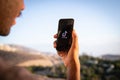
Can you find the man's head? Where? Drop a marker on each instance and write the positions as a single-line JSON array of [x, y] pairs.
[[9, 10]]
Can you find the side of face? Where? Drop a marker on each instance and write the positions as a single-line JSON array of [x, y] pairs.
[[9, 10]]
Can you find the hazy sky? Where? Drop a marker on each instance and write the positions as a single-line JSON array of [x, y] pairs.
[[97, 23]]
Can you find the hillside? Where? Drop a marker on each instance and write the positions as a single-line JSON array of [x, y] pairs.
[[111, 57], [49, 67], [26, 57], [22, 56]]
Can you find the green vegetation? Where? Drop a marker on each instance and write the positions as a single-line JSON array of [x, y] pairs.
[[98, 69], [57, 71], [91, 69]]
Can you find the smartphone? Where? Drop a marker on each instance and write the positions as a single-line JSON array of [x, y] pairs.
[[64, 34]]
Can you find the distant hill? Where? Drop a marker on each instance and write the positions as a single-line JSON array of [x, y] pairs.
[[26, 57], [111, 57], [23, 56]]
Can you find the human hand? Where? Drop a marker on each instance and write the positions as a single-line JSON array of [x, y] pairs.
[[72, 55]]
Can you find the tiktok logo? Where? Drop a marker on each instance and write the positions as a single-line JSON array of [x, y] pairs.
[[64, 34]]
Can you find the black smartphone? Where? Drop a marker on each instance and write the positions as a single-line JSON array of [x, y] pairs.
[[64, 39]]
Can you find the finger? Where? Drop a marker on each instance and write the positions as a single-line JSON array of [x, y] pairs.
[[74, 40], [54, 44], [55, 36], [61, 53]]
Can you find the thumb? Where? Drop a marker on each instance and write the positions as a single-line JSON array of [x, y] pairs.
[[74, 40]]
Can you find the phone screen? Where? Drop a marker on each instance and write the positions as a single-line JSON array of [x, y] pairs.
[[64, 34]]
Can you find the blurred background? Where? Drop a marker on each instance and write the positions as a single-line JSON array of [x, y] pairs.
[[97, 23]]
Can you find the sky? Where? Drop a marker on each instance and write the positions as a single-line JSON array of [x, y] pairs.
[[97, 24]]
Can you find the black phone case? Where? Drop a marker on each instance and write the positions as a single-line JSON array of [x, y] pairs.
[[64, 39]]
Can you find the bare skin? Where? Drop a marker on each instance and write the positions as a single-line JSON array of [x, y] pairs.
[[71, 59], [9, 11]]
